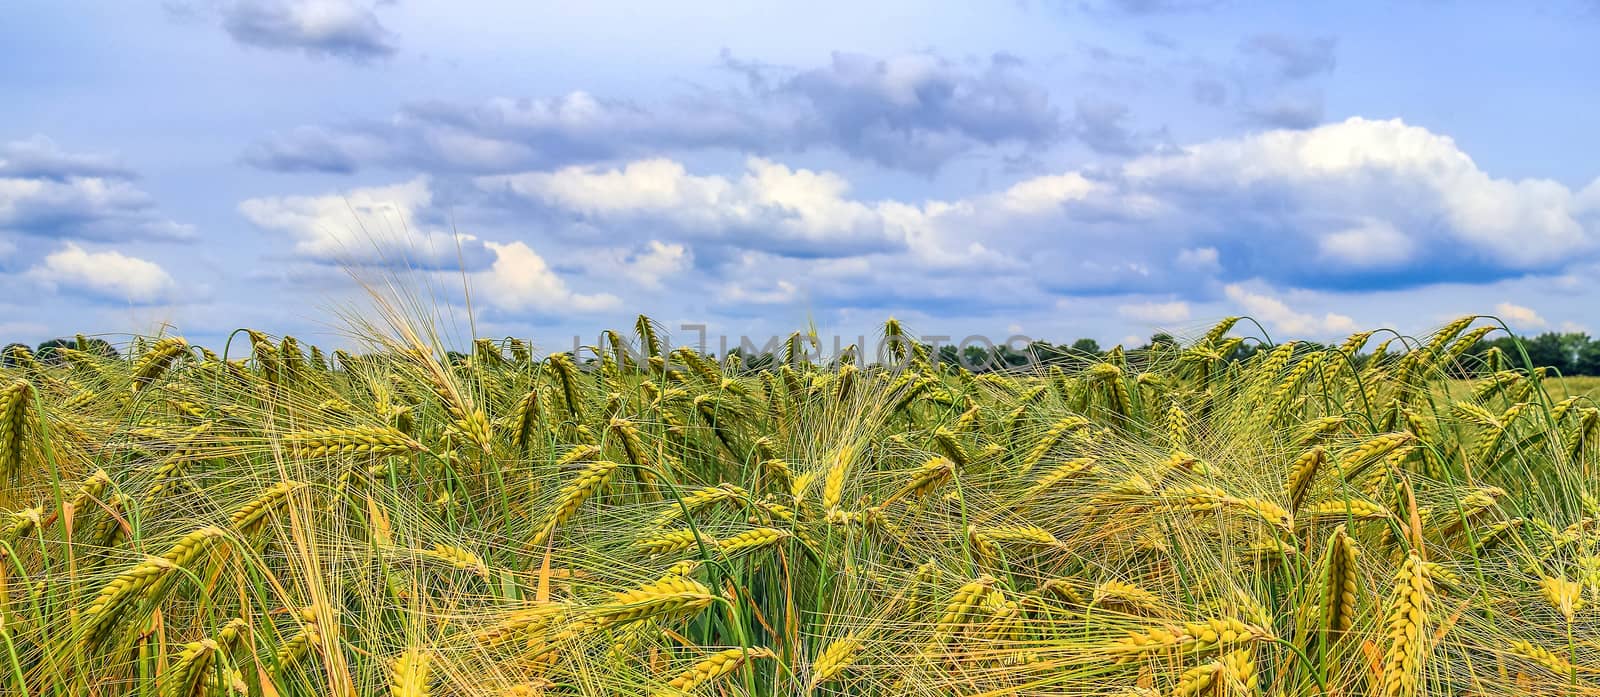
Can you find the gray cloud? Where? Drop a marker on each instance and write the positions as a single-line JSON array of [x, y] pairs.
[[1293, 58], [1210, 91], [1289, 111], [342, 29], [1103, 127], [1272, 80], [47, 192], [917, 111], [1160, 40], [40, 157], [913, 112], [315, 149]]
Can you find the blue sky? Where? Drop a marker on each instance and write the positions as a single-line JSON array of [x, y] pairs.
[[1054, 169]]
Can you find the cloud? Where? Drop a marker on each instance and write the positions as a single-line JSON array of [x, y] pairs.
[[770, 207], [47, 192], [1370, 243], [39, 157], [520, 281], [1296, 111], [1048, 193], [914, 112], [749, 282], [1271, 80], [1103, 127], [395, 227], [1200, 259], [1293, 58], [1341, 207], [917, 111], [649, 266], [314, 149], [1156, 313], [774, 292], [1209, 91], [658, 261], [1278, 316], [109, 275], [1160, 40], [373, 226], [1345, 187], [343, 29], [1519, 317]]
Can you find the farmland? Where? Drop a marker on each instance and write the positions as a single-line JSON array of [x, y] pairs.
[[644, 520]]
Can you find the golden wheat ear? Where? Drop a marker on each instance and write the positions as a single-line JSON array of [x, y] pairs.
[[424, 513]]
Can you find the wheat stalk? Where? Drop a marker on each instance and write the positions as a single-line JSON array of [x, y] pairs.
[[572, 497], [673, 596], [376, 441], [1406, 629], [834, 659], [15, 424], [713, 667], [409, 674]]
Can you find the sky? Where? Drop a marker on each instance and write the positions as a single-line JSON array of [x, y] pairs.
[[1048, 169]]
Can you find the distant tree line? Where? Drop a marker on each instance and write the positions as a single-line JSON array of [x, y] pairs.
[[49, 352], [1570, 353]]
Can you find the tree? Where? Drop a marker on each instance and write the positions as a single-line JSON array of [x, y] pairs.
[[9, 354], [1043, 352], [47, 353], [96, 346], [1163, 341], [1243, 352], [1558, 351], [764, 360], [976, 359], [1588, 359], [1004, 355]]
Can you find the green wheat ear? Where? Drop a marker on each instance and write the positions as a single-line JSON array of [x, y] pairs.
[[418, 513], [16, 405]]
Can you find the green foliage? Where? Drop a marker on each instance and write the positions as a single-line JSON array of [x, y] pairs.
[[1567, 353]]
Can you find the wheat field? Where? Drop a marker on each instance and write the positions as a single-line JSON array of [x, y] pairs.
[[640, 520]]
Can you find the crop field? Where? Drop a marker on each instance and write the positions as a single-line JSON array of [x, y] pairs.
[[1586, 387], [641, 520]]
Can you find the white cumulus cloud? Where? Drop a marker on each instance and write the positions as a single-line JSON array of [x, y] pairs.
[[519, 280], [1200, 259], [366, 226], [769, 207], [1156, 313], [1370, 243], [1519, 317], [1387, 179], [1279, 316], [108, 274], [768, 293]]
